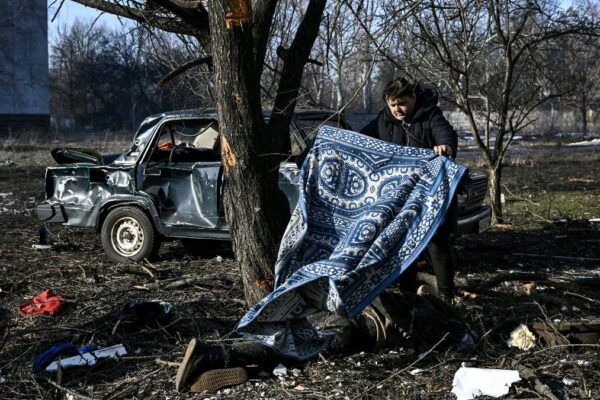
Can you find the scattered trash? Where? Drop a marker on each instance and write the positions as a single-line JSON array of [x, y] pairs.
[[43, 244], [425, 290], [568, 382], [469, 383], [415, 371], [43, 232], [146, 312], [583, 363], [594, 219], [529, 288], [468, 295], [48, 356], [522, 338], [44, 303], [467, 342], [280, 371], [219, 259], [296, 372], [88, 359]]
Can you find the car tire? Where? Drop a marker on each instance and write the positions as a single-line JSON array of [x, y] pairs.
[[128, 235]]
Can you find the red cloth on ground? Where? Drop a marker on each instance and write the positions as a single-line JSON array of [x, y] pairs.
[[44, 303]]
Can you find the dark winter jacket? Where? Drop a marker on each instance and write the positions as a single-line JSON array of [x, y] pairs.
[[425, 128]]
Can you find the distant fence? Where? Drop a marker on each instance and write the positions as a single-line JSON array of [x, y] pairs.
[[545, 122]]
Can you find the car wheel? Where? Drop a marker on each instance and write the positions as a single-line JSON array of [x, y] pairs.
[[128, 235]]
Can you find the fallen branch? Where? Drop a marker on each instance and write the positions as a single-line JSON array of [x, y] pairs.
[[167, 363], [567, 258], [178, 283]]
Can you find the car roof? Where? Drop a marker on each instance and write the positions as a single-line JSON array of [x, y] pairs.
[[212, 113]]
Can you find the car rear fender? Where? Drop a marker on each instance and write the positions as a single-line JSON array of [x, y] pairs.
[[143, 203]]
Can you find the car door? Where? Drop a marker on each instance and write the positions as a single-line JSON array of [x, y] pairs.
[[183, 174]]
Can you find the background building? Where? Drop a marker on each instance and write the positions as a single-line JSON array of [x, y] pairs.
[[24, 97]]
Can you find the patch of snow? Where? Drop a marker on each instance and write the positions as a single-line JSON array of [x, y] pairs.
[[593, 142]]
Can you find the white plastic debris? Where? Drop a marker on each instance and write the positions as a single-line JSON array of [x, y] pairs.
[[469, 383], [568, 382], [219, 259], [88, 358], [522, 338], [280, 371], [41, 246], [583, 363], [415, 371]]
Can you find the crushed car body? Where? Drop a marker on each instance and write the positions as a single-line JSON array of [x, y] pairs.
[[169, 184]]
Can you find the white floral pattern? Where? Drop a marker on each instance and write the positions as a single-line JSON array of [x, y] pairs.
[[366, 210]]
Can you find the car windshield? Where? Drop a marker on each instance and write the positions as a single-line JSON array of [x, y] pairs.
[[139, 143]]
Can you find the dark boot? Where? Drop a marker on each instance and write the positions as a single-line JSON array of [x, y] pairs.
[[208, 366], [199, 358]]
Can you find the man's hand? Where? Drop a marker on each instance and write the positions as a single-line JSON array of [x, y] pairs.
[[443, 150]]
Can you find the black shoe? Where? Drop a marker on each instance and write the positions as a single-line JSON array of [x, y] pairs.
[[199, 358]]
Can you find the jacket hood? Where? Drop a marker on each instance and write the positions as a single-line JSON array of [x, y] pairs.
[[427, 98]]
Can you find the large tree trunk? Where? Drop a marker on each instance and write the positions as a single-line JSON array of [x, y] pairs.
[[250, 182]]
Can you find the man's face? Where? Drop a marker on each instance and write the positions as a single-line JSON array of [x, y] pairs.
[[402, 106]]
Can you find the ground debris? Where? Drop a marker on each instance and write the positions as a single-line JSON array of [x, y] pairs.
[[210, 304]]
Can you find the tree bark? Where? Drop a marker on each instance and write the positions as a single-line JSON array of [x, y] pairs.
[[291, 77], [250, 185]]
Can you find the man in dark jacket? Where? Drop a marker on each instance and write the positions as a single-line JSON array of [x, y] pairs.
[[412, 118]]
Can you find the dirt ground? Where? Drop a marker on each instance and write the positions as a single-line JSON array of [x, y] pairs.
[[547, 240]]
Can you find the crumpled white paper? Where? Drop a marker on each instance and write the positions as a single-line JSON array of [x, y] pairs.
[[522, 338], [280, 371], [469, 383]]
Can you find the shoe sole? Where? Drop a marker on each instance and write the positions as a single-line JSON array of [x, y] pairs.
[[184, 367], [213, 380]]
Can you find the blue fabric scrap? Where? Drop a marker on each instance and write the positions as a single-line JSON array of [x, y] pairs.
[[48, 356]]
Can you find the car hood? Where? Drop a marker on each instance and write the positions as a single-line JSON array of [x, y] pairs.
[[67, 155]]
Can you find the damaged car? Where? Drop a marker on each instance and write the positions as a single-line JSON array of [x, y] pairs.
[[169, 184]]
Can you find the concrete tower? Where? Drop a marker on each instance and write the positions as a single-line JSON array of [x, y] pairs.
[[24, 97]]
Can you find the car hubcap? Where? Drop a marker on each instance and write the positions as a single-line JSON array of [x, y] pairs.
[[127, 237]]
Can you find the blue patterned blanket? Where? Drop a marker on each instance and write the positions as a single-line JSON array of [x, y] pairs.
[[366, 210]]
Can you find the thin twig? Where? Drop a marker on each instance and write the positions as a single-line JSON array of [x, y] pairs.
[[562, 346], [71, 392]]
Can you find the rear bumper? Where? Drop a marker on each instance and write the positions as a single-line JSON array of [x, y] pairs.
[[477, 222], [51, 212]]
